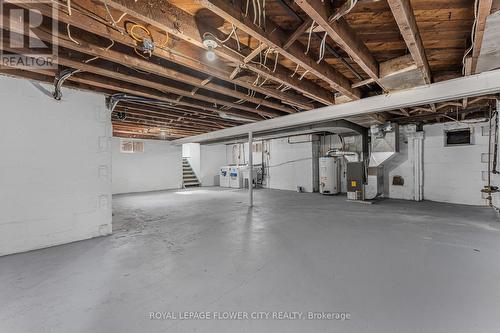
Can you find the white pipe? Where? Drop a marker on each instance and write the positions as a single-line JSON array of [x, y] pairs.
[[250, 169], [474, 85]]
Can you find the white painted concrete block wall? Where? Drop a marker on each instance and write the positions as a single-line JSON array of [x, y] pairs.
[[451, 174], [159, 167], [454, 174], [55, 167], [400, 165], [212, 158]]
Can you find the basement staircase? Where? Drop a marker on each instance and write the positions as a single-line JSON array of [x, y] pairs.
[[189, 178]]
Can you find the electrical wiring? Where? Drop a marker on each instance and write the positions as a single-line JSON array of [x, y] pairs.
[[256, 82], [237, 38], [246, 8], [87, 13], [68, 29], [276, 61], [259, 12], [145, 40], [113, 21], [223, 41], [135, 36], [68, 3], [295, 71], [309, 38], [345, 12], [303, 75], [254, 12], [473, 37], [104, 49], [322, 48], [69, 35], [266, 54], [264, 12]]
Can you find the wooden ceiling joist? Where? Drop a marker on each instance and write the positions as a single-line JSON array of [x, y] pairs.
[[180, 92], [184, 26], [342, 34], [297, 33], [483, 10], [146, 112], [405, 18], [117, 57], [276, 38], [177, 53]]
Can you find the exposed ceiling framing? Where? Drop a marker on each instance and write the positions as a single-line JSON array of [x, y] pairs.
[[284, 57]]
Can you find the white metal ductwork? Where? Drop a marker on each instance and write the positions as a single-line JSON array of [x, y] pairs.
[[384, 145]]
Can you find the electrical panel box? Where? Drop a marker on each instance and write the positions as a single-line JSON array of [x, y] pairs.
[[329, 178], [355, 180]]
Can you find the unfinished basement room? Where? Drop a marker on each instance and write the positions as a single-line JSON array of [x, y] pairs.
[[250, 166]]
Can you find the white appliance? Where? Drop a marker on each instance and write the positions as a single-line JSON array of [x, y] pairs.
[[329, 175], [235, 177], [245, 172], [224, 176]]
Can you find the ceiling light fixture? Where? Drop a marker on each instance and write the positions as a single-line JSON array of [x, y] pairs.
[[210, 43]]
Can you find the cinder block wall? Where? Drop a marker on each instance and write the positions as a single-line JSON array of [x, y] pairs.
[[55, 167], [159, 167]]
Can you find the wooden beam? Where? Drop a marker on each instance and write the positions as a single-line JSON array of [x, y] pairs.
[[178, 53], [145, 119], [362, 83], [475, 85], [379, 117], [184, 26], [405, 18], [133, 89], [117, 57], [147, 111], [174, 111], [484, 9], [275, 37], [254, 53], [297, 33], [405, 112], [400, 73], [342, 34]]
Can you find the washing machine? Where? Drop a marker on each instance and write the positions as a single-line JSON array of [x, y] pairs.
[[235, 177], [224, 176]]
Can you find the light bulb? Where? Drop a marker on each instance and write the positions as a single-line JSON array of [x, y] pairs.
[[211, 55]]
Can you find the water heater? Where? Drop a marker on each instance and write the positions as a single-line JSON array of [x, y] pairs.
[[329, 175]]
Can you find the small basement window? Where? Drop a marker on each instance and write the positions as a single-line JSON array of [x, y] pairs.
[[132, 146], [458, 137]]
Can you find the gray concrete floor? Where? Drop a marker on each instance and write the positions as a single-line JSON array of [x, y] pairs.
[[395, 267]]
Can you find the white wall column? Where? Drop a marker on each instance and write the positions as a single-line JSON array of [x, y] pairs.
[[418, 165]]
